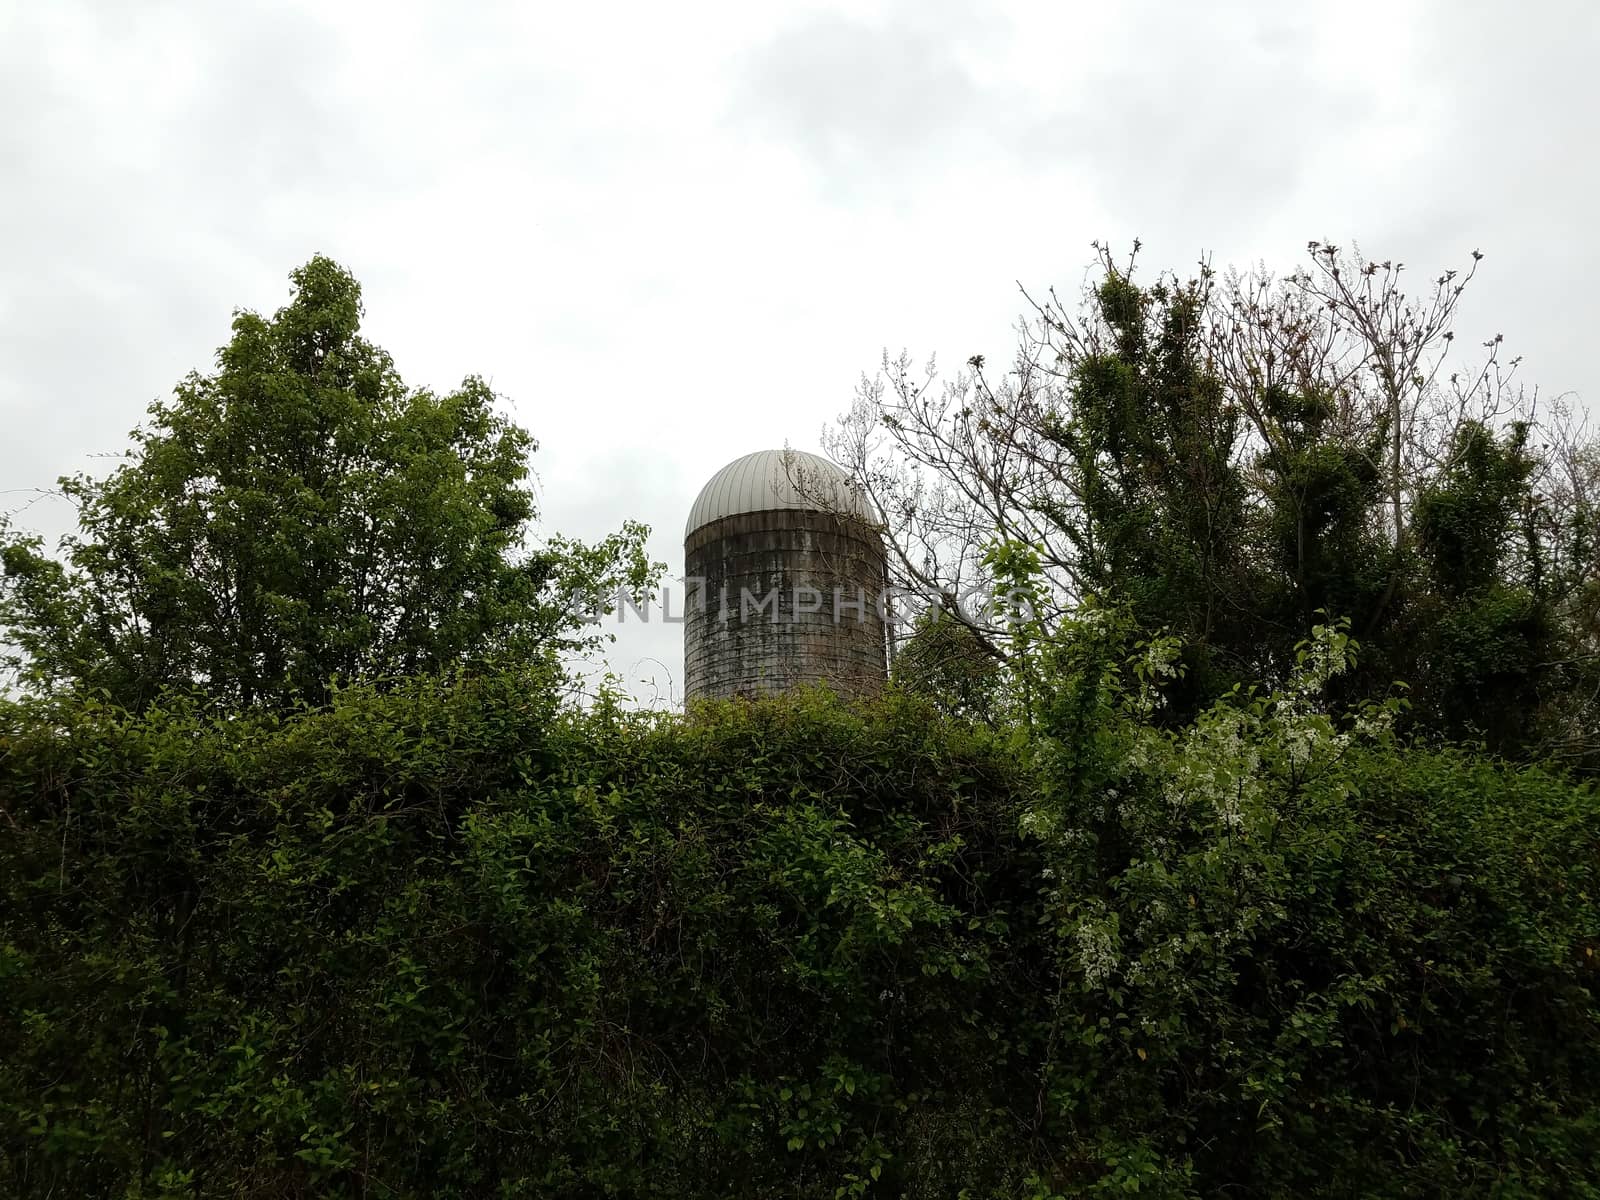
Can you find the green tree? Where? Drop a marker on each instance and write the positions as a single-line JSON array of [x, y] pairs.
[[1229, 456], [1152, 447], [301, 516], [946, 663]]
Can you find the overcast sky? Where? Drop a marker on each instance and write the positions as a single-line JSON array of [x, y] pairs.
[[672, 234]]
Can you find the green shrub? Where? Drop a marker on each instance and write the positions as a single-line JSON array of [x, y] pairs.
[[454, 941], [1297, 957], [457, 940]]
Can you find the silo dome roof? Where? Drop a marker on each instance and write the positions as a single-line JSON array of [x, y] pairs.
[[775, 479]]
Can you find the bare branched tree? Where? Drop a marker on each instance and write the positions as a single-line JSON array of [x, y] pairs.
[[1199, 406]]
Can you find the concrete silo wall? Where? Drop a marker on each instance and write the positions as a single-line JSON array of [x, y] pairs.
[[780, 599]]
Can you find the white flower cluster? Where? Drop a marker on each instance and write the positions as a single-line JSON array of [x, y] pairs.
[[1159, 664], [1305, 732], [1096, 952], [1326, 654], [1374, 723], [1039, 823], [1219, 766]]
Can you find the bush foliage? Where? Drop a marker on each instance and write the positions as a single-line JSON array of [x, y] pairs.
[[453, 939]]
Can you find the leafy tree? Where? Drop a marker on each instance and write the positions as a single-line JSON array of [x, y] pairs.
[[1490, 613], [1230, 456], [1566, 519], [1152, 445], [301, 516], [946, 663]]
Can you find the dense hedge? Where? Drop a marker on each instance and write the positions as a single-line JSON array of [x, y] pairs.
[[457, 941]]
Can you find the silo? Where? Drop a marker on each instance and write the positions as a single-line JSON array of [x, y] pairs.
[[784, 575]]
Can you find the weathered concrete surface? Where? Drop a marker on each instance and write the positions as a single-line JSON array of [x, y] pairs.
[[783, 598]]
